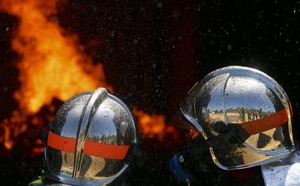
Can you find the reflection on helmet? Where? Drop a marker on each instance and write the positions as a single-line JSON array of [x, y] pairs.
[[244, 116], [90, 139]]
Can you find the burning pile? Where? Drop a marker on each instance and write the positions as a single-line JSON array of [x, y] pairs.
[[52, 66]]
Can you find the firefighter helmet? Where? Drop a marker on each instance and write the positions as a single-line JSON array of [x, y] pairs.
[[244, 116], [90, 139]]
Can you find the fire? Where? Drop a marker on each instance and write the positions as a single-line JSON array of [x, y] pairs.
[[52, 65], [154, 125]]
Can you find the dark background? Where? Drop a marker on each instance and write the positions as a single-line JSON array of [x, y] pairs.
[[156, 50]]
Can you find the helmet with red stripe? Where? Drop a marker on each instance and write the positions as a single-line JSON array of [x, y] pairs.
[[91, 139], [243, 115]]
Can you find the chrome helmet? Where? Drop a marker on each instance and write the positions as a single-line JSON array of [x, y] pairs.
[[90, 140], [244, 116]]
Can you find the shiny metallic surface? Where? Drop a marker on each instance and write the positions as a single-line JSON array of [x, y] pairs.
[[101, 118], [236, 97]]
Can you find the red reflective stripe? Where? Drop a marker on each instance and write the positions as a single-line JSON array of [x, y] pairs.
[[105, 150], [266, 123], [61, 143], [90, 148]]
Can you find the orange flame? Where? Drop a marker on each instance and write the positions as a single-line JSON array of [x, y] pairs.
[[154, 126], [53, 65], [52, 60]]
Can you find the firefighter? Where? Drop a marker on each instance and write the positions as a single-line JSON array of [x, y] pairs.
[[225, 142], [93, 140]]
